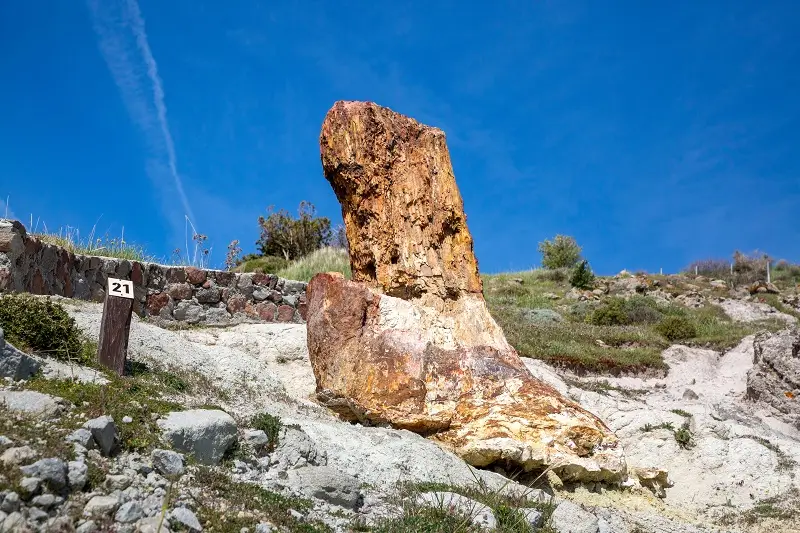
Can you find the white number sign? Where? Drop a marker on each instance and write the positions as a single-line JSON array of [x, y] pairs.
[[120, 287]]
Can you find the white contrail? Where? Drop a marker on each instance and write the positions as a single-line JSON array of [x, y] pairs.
[[123, 42]]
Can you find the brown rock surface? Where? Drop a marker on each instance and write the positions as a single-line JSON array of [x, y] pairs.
[[402, 211], [410, 342]]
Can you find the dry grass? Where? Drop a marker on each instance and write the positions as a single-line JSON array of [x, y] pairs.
[[323, 260]]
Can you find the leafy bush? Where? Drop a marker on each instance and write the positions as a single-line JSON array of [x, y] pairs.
[[42, 325], [562, 252], [582, 276], [611, 313], [642, 310], [684, 437], [676, 328], [284, 236], [268, 264], [269, 424]]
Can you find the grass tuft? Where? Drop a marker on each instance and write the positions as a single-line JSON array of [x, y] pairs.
[[323, 260], [228, 506], [106, 246]]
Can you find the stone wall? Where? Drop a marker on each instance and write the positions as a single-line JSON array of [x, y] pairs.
[[177, 293]]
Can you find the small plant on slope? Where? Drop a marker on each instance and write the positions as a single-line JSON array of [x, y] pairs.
[[582, 276], [269, 424], [42, 325], [676, 328]]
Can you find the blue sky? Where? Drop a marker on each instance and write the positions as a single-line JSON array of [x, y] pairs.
[[655, 133]]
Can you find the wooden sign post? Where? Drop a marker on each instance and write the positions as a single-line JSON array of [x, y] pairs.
[[116, 325]]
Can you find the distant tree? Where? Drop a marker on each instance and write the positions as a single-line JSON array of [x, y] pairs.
[[291, 238], [582, 276], [562, 252]]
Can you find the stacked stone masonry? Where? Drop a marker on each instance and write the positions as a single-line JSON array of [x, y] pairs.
[[173, 293]]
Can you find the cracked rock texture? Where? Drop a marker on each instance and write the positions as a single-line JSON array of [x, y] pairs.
[[774, 379], [410, 342]]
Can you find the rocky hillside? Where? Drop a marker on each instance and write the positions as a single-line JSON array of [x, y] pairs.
[[215, 430]]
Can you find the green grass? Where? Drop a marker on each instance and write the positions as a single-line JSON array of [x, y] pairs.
[[106, 246], [436, 519], [227, 506], [322, 260], [609, 336], [28, 430], [265, 264], [138, 397]]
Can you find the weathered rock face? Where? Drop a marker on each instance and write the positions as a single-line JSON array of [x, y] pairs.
[[383, 360], [410, 342], [774, 379], [402, 210]]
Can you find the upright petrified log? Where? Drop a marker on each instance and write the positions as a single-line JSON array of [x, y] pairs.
[[410, 342]]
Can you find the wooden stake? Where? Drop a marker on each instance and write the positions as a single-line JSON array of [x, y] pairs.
[[115, 326]]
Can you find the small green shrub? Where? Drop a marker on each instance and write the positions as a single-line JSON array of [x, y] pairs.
[[269, 424], [684, 437], [562, 252], [42, 325], [611, 313], [268, 264], [676, 328], [582, 276], [642, 310]]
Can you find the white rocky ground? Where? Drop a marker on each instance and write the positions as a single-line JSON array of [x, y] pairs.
[[739, 454]]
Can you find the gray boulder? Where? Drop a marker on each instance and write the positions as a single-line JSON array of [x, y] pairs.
[[77, 474], [204, 433], [52, 471], [480, 515], [101, 506], [327, 484], [10, 503], [296, 449], [30, 402], [571, 518], [105, 434], [83, 437], [15, 364], [185, 517], [152, 524], [774, 380], [129, 512], [167, 463], [17, 455]]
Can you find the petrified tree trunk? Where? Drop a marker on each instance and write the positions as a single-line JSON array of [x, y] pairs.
[[402, 210], [410, 342]]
